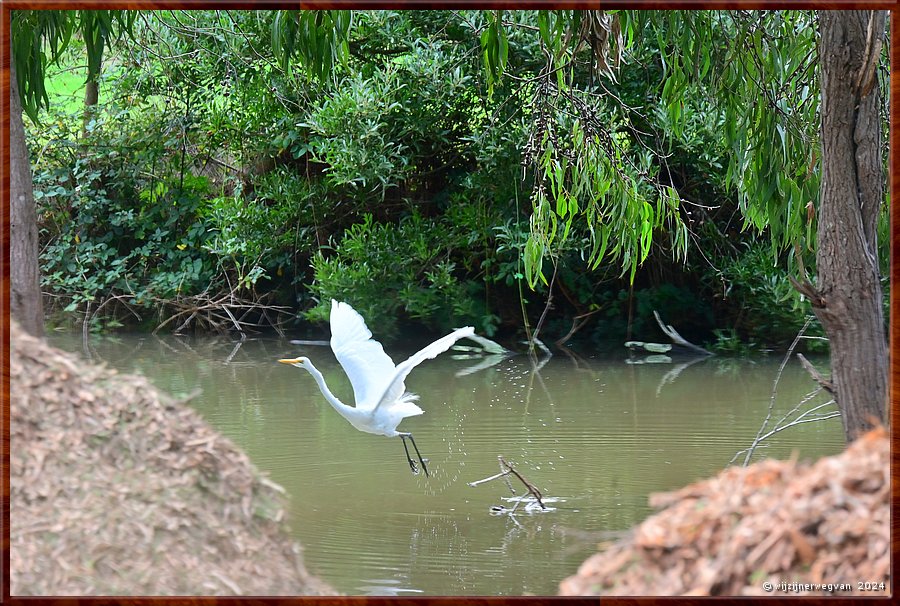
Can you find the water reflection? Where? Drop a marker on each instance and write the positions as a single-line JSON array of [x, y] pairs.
[[594, 435]]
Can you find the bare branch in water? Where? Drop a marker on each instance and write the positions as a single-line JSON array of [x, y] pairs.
[[506, 469], [216, 312], [677, 338], [789, 419]]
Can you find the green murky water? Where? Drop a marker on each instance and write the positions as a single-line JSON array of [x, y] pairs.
[[596, 436]]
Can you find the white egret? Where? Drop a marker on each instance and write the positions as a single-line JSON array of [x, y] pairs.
[[378, 389]]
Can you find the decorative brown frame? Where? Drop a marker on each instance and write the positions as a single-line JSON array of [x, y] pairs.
[[894, 334]]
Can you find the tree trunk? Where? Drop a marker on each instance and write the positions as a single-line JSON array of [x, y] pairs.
[[91, 96], [849, 302], [25, 277]]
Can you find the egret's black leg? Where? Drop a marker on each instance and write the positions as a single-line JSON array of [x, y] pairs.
[[411, 462]]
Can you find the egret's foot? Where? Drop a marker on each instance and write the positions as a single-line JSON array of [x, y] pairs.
[[424, 468], [409, 459], [412, 464]]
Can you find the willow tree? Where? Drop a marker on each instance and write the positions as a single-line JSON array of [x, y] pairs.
[[801, 102], [800, 98], [847, 294]]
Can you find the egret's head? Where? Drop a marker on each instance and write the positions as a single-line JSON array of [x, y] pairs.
[[300, 362]]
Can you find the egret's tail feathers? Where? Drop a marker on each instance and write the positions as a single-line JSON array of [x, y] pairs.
[[405, 405]]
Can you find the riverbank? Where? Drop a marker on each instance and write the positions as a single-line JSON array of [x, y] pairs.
[[118, 489], [776, 528]]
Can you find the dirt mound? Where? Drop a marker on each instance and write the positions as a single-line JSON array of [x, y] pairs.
[[118, 489], [763, 530]]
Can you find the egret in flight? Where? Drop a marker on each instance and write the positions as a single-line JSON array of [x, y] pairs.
[[381, 397]]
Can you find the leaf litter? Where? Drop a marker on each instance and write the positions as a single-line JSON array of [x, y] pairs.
[[753, 529], [118, 489]]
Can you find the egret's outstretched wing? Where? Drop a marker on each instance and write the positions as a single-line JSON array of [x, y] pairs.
[[395, 387], [362, 358]]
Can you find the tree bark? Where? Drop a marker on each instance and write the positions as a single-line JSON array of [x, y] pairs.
[[849, 304], [25, 278], [91, 96]]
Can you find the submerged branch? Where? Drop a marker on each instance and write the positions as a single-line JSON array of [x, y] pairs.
[[794, 416], [216, 311], [677, 338], [506, 469], [679, 344], [531, 488]]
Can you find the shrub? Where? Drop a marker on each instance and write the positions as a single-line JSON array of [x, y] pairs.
[[387, 271], [762, 305]]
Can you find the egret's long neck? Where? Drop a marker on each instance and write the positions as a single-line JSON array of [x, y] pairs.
[[339, 406]]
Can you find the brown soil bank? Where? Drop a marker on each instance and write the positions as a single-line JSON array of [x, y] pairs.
[[763, 530], [117, 489]]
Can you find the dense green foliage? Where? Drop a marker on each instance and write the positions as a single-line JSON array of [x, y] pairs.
[[429, 167]]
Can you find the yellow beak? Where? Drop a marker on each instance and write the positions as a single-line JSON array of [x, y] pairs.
[[290, 361]]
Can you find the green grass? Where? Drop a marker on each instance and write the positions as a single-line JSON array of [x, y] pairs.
[[65, 87]]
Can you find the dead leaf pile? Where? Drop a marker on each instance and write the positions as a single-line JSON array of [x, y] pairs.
[[775, 523], [117, 489]]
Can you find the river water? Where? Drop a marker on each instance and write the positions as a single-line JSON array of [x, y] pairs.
[[595, 435]]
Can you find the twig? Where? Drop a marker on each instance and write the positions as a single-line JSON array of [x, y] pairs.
[[540, 324], [677, 338], [227, 582], [531, 488], [217, 311], [119, 299], [578, 323], [185, 323], [237, 325], [86, 323], [493, 477], [540, 345], [816, 375], [783, 423], [765, 422], [806, 288], [505, 471], [798, 421]]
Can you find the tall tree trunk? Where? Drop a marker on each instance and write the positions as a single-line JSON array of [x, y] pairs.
[[849, 302], [25, 277]]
